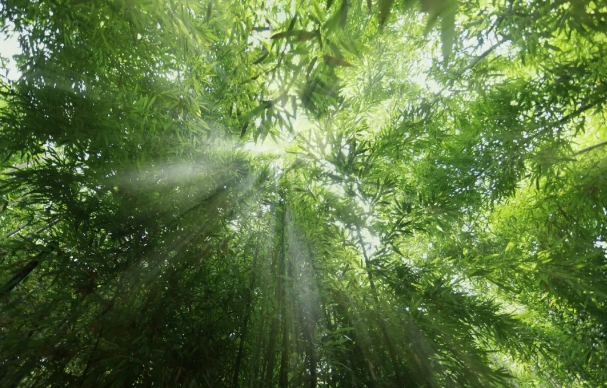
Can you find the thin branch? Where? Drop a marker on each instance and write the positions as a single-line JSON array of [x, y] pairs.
[[543, 128], [491, 49], [593, 147], [473, 63], [50, 224], [15, 231], [21, 275]]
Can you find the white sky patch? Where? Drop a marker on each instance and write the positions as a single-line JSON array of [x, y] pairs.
[[9, 47], [256, 37], [419, 74], [267, 146], [602, 245], [371, 241], [278, 145]]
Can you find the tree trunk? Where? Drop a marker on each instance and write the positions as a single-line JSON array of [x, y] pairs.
[[245, 324], [382, 325], [278, 302]]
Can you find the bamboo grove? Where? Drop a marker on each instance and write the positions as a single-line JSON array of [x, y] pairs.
[[272, 193]]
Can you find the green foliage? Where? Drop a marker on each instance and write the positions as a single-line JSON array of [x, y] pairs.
[[325, 193]]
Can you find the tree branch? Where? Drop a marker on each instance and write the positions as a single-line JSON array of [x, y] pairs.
[[593, 147]]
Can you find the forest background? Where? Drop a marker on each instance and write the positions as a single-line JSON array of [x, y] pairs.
[[336, 193]]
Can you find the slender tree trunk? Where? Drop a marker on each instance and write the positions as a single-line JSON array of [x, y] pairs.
[[260, 345], [245, 324], [382, 325], [283, 380], [271, 355], [311, 361], [278, 300]]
